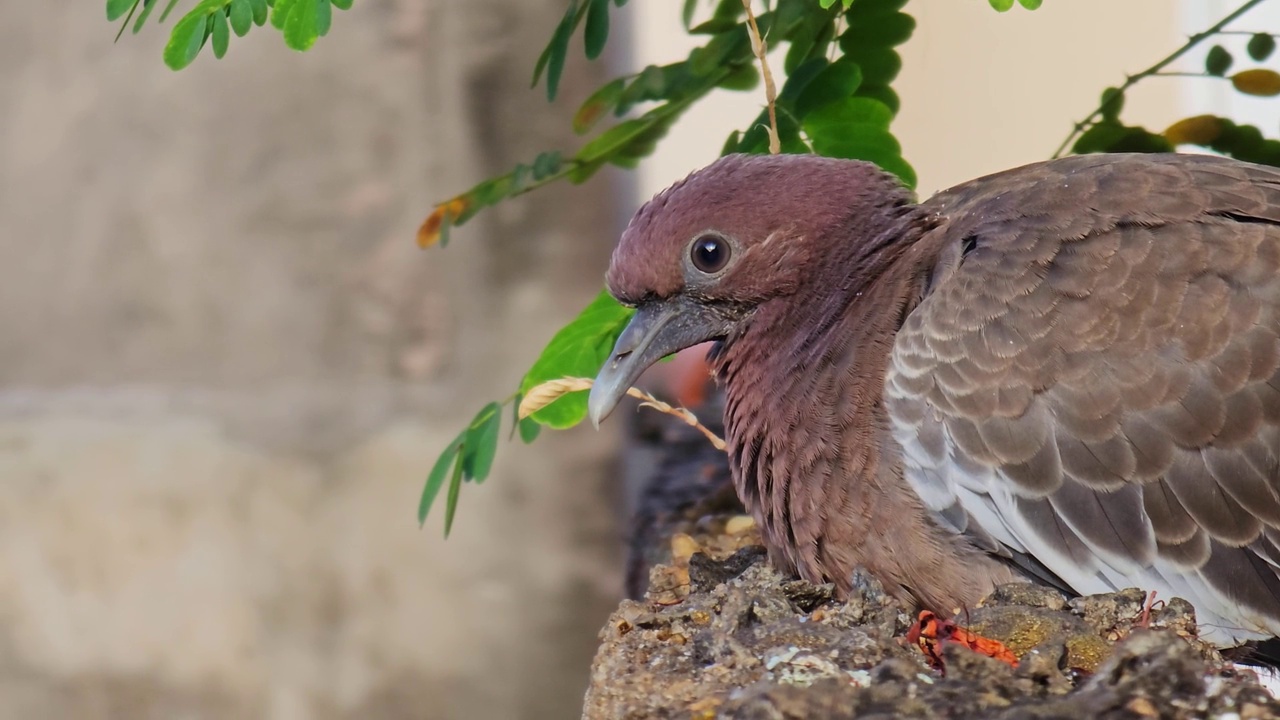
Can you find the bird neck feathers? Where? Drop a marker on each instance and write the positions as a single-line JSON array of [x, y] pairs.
[[803, 378]]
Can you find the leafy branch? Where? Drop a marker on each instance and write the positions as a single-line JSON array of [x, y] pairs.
[[212, 22], [841, 107], [1104, 116]]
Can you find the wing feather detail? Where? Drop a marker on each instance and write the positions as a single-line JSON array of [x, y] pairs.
[[1096, 383]]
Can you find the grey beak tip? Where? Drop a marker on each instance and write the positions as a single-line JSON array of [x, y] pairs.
[[598, 405]]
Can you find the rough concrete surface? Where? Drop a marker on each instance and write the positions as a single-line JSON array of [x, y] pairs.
[[719, 633], [723, 635], [225, 371]]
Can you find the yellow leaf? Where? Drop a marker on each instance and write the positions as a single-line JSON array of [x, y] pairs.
[[429, 231], [1257, 82], [1198, 130]]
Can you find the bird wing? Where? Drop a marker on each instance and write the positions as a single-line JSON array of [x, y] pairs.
[[1092, 377]]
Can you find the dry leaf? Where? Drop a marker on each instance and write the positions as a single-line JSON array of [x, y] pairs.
[[1198, 130], [540, 396], [429, 231], [1260, 81]]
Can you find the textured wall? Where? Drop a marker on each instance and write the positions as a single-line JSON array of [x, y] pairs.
[[225, 371]]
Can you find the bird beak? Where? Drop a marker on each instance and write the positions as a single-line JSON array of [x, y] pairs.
[[655, 331]]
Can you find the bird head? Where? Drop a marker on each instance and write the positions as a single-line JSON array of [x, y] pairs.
[[701, 256]]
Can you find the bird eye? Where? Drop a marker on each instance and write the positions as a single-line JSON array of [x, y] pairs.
[[710, 254]]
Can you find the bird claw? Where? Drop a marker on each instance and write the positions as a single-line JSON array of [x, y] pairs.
[[929, 632], [1144, 618]]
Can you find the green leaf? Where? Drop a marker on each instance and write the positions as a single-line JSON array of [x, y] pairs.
[[186, 40], [147, 6], [580, 349], [606, 146], [725, 17], [1098, 137], [241, 16], [836, 119], [1245, 142], [1001, 5], [117, 8], [1260, 46], [1217, 61], [436, 478], [1112, 103], [303, 23], [798, 80], [880, 65], [879, 30], [837, 81], [168, 9], [597, 31], [546, 164], [280, 12], [1108, 136], [733, 44], [529, 430], [260, 12], [221, 34], [866, 143], [451, 502], [883, 93], [809, 41], [324, 17], [481, 443], [520, 175], [598, 105], [342, 4], [746, 77], [731, 143], [686, 13], [858, 128], [552, 58], [640, 146], [866, 8]]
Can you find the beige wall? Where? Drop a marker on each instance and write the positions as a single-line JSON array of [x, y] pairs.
[[225, 371]]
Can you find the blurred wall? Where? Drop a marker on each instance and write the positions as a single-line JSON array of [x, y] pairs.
[[225, 370]]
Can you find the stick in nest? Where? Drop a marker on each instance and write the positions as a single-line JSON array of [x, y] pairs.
[[761, 48], [543, 395]]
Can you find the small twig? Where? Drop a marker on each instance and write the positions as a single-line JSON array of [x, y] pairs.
[[544, 394], [1154, 69], [761, 48]]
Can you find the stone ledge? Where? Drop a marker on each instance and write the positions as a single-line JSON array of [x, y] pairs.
[[719, 633]]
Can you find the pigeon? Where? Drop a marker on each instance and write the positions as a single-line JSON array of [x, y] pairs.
[[1068, 372]]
